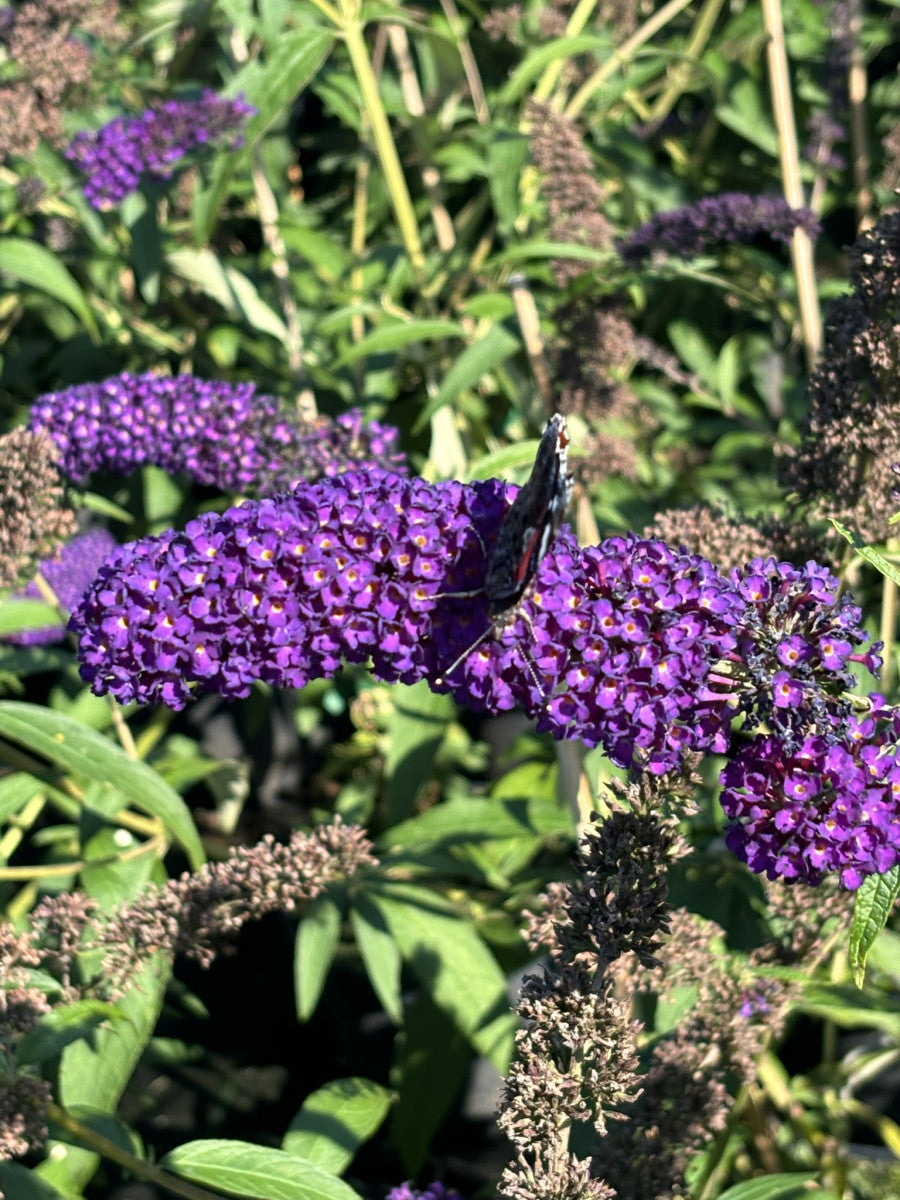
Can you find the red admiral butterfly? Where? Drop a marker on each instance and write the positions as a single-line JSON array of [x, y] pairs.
[[526, 533]]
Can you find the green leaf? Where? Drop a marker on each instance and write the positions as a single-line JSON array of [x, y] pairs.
[[62, 1026], [398, 334], [467, 820], [432, 1062], [380, 955], [507, 156], [335, 1121], [746, 112], [75, 747], [95, 1075], [416, 730], [228, 287], [16, 790], [454, 964], [16, 615], [873, 906], [254, 1172], [475, 361], [778, 1187], [271, 88], [37, 266], [16, 1181], [878, 561], [317, 940]]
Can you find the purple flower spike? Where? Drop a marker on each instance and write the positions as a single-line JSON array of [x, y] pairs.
[[730, 217], [69, 574], [221, 434], [797, 641], [613, 644], [115, 157], [830, 804]]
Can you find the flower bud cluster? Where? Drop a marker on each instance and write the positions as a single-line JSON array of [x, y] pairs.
[[115, 157], [730, 217], [223, 435]]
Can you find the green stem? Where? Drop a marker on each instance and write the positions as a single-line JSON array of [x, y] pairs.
[[576, 23], [801, 243], [681, 74], [108, 1149], [620, 57], [385, 147], [888, 626]]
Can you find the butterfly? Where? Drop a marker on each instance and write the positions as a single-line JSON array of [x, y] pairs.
[[526, 533]]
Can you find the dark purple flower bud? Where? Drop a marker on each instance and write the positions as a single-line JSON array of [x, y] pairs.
[[69, 573], [612, 644], [115, 157], [730, 217], [222, 434], [825, 805]]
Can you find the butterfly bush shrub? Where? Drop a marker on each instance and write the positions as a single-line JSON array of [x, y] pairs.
[[288, 290]]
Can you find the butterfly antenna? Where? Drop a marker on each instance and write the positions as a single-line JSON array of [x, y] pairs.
[[440, 679]]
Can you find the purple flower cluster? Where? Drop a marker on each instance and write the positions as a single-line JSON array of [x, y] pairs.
[[434, 1191], [730, 217], [114, 157], [70, 573], [828, 804], [613, 644], [221, 434], [797, 639]]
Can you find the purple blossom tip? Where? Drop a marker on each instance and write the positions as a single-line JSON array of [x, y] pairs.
[[115, 157], [221, 434], [729, 217]]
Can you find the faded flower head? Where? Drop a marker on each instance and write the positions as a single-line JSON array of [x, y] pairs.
[[33, 519], [850, 438], [47, 59], [729, 542], [613, 644], [200, 914], [729, 217], [69, 574], [221, 434], [575, 200], [115, 157]]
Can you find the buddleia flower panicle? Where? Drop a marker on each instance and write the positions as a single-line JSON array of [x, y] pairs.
[[612, 644], [68, 573], [114, 158], [825, 804], [798, 638], [730, 217], [34, 518], [224, 435]]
